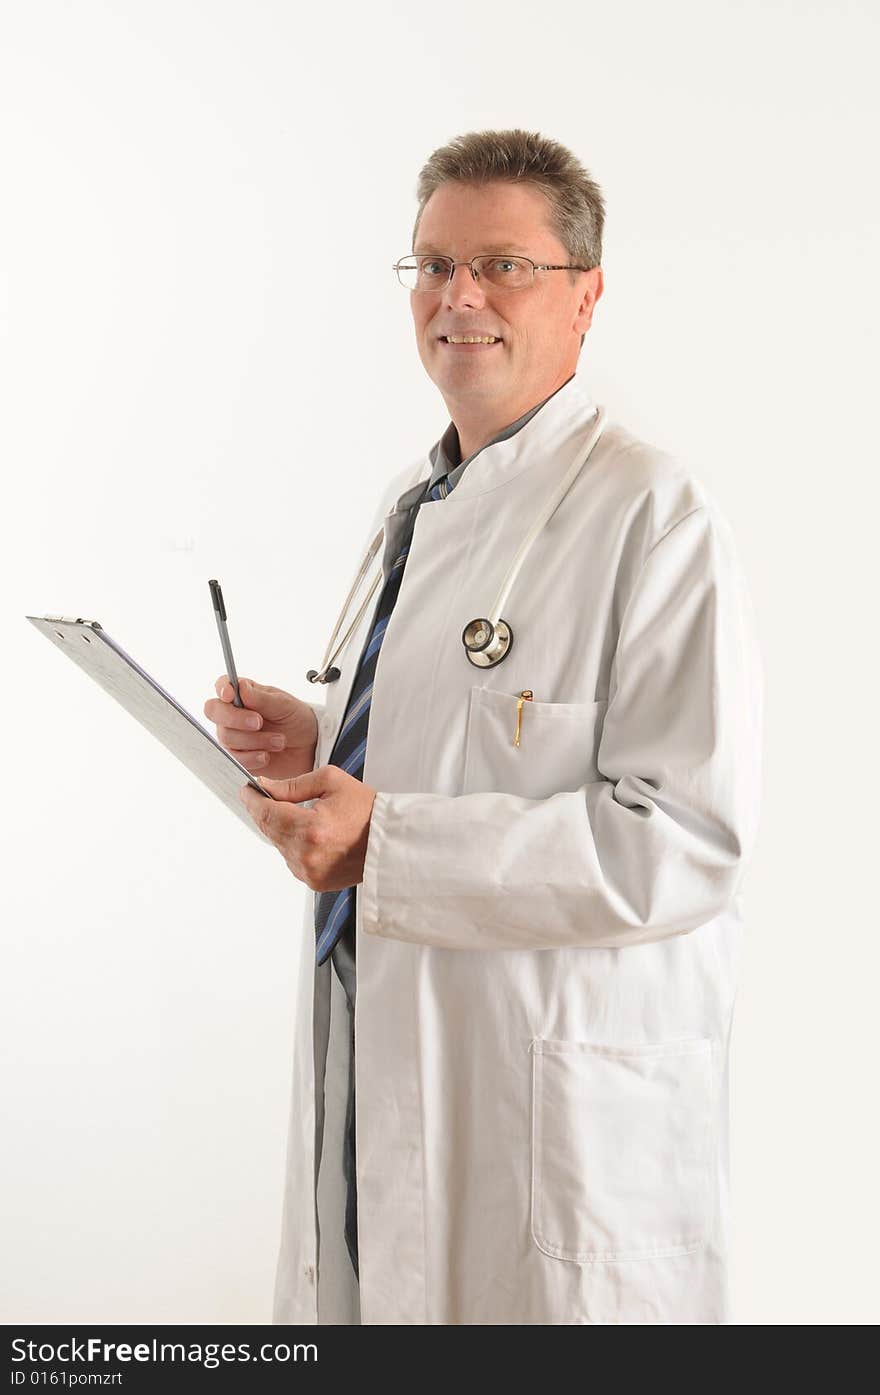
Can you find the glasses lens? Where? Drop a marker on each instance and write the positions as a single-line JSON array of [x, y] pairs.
[[510, 272], [423, 273]]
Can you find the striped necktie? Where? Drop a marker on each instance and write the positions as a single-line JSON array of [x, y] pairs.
[[335, 910]]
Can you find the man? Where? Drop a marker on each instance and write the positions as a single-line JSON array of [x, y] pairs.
[[520, 959]]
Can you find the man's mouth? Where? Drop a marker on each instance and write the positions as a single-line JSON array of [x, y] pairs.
[[484, 341]]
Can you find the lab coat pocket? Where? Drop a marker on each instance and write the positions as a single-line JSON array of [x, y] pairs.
[[621, 1139], [558, 744]]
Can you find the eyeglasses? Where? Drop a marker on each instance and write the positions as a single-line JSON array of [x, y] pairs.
[[431, 273]]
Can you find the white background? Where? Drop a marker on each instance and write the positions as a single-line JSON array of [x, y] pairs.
[[206, 358]]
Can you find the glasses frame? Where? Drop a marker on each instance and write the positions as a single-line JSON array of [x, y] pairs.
[[511, 256]]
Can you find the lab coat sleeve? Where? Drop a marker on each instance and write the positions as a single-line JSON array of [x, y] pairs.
[[319, 709], [654, 848]]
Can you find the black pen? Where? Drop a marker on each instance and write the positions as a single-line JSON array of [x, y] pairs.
[[220, 615]]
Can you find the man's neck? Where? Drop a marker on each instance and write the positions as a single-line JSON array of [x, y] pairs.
[[469, 444], [476, 429]]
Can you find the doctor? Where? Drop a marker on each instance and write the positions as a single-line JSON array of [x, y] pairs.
[[536, 863]]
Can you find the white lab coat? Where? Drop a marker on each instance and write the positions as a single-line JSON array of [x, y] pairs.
[[547, 935]]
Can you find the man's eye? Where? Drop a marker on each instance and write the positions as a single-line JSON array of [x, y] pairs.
[[505, 263], [433, 268]]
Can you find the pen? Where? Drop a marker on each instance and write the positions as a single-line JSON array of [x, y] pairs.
[[220, 616]]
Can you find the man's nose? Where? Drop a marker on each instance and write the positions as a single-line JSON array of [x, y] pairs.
[[462, 289]]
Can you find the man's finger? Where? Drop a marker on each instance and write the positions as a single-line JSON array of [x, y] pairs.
[[256, 807]]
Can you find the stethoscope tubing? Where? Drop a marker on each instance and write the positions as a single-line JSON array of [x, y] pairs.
[[544, 517], [329, 657]]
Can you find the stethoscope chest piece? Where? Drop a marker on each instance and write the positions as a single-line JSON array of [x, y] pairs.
[[486, 644]]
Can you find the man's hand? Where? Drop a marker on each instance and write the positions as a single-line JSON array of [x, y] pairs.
[[325, 845], [275, 732]]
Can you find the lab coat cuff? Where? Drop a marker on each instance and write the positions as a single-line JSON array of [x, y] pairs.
[[369, 893]]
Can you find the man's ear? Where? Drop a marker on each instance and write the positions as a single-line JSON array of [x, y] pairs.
[[593, 288]]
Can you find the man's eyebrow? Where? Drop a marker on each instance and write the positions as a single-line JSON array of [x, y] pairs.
[[500, 247]]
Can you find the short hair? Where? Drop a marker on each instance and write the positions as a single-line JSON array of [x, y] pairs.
[[576, 204]]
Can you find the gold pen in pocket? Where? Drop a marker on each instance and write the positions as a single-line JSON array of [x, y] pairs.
[[525, 696]]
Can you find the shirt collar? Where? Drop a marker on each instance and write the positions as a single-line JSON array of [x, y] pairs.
[[445, 454]]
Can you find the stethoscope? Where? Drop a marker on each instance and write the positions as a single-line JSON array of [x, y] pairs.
[[487, 640]]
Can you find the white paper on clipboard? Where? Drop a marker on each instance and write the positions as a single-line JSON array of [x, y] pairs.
[[88, 644]]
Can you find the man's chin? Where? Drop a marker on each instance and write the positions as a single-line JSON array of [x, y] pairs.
[[469, 376], [467, 387]]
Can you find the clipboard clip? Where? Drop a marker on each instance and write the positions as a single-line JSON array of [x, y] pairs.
[[73, 620]]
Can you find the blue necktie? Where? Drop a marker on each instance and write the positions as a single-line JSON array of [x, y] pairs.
[[335, 910]]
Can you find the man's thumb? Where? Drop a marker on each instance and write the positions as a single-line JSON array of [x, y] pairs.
[[297, 789], [246, 687], [272, 703]]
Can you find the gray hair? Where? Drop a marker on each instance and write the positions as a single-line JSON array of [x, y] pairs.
[[576, 205]]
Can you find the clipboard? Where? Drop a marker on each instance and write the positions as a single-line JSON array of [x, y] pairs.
[[89, 646]]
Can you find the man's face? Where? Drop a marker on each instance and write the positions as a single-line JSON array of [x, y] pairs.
[[539, 326]]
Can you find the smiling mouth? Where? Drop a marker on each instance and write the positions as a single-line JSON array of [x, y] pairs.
[[467, 342]]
